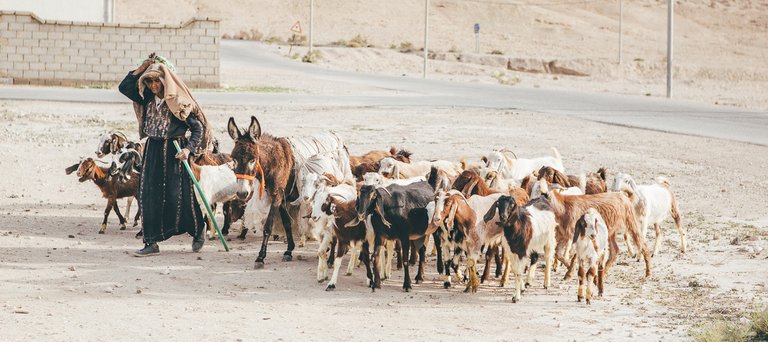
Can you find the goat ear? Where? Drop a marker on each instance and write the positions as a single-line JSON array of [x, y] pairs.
[[254, 130], [581, 229], [234, 132], [467, 191], [72, 168], [395, 171], [491, 212], [485, 160]]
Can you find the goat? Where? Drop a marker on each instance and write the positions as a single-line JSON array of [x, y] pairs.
[[397, 212], [377, 155], [528, 230], [339, 204], [591, 183], [467, 231], [616, 209], [590, 241], [496, 182], [110, 187], [498, 160], [569, 191], [653, 203], [392, 168]]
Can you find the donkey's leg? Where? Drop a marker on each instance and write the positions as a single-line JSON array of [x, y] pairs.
[[273, 211], [288, 233]]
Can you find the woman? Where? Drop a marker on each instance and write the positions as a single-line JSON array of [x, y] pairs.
[[165, 111]]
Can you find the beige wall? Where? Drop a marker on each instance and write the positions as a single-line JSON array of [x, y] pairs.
[[36, 51]]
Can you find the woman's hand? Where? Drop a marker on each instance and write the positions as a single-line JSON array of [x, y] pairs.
[[146, 64], [183, 155]]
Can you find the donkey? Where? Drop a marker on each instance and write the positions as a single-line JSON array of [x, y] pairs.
[[271, 160]]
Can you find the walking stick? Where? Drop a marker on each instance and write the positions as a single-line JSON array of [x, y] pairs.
[[205, 201]]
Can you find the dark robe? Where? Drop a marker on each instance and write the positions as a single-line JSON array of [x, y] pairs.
[[166, 193]]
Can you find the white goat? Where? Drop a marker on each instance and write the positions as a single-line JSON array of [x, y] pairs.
[[516, 168], [653, 204], [497, 182], [590, 241], [391, 168]]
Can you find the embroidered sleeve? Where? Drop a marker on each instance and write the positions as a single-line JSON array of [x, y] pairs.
[[196, 129]]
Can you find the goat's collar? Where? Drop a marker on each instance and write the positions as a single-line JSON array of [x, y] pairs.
[[594, 244]]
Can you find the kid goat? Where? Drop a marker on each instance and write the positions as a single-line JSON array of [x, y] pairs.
[[590, 241]]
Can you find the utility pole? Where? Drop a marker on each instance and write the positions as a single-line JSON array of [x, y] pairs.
[[426, 35], [670, 16], [311, 22], [621, 20]]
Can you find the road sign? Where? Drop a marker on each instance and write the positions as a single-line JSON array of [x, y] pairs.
[[296, 27], [477, 28]]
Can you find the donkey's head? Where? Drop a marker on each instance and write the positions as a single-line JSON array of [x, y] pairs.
[[245, 155]]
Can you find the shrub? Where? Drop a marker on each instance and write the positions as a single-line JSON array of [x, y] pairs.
[[496, 52], [358, 41], [273, 40], [252, 34], [723, 331], [454, 49], [760, 324], [406, 47], [312, 57]]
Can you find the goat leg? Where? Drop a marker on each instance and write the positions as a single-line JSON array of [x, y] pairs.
[[120, 217], [106, 216], [138, 215]]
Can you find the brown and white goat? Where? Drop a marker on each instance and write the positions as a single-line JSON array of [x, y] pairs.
[[590, 242], [594, 182], [343, 211], [465, 229], [528, 230], [111, 188], [392, 168], [617, 210], [377, 155]]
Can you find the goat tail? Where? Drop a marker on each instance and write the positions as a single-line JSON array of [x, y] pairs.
[[557, 154], [663, 181], [463, 164], [629, 192]]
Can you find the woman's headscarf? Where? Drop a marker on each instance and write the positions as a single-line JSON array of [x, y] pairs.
[[179, 100]]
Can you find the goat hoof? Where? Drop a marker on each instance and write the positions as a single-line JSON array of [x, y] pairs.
[[578, 299], [330, 287], [122, 226], [242, 234], [588, 302], [515, 299], [287, 257], [446, 285], [139, 235], [527, 285], [101, 231], [406, 289], [419, 281], [258, 265], [135, 223]]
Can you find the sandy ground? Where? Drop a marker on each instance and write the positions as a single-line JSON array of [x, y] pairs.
[[60, 280]]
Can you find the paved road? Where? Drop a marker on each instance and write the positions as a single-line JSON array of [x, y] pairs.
[[642, 112]]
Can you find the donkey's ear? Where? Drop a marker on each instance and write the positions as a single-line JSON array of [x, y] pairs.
[[234, 132], [254, 130]]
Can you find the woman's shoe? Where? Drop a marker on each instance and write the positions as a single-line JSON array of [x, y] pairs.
[[148, 250]]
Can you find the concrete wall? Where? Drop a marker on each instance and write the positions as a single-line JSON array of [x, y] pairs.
[[36, 51]]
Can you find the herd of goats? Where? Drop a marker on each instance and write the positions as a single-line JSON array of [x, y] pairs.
[[384, 205]]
